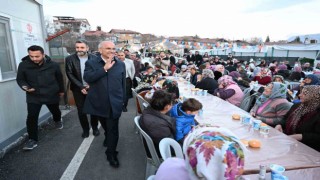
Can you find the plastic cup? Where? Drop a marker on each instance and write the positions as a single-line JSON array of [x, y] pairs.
[[264, 130], [245, 120], [256, 124], [276, 172], [205, 92]]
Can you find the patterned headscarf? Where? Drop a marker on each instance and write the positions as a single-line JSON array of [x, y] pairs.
[[314, 79], [278, 76], [279, 90], [226, 80], [207, 73], [213, 153], [310, 104]]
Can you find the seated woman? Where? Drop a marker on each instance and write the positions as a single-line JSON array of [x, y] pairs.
[[272, 105], [263, 78], [236, 76], [229, 90], [227, 161], [207, 81], [155, 121], [280, 79], [184, 114], [302, 122], [283, 71], [297, 74]]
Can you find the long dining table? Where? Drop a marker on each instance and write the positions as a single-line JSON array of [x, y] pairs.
[[276, 147]]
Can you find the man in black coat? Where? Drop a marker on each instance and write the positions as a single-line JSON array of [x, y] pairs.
[[106, 76], [190, 57], [198, 59], [74, 66], [42, 80]]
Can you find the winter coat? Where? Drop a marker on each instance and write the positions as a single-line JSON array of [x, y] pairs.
[[184, 121], [46, 79]]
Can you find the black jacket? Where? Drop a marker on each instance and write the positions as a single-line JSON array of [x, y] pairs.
[[157, 126], [46, 79], [191, 58], [208, 84], [73, 71], [198, 59]]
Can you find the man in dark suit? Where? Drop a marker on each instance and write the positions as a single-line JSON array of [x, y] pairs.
[[198, 59], [106, 76], [191, 57], [75, 65]]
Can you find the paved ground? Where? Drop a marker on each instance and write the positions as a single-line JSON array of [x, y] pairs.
[[56, 149]]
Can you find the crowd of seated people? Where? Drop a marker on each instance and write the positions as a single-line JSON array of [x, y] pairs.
[[228, 79]]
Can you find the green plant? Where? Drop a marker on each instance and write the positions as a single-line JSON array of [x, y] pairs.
[[304, 60]]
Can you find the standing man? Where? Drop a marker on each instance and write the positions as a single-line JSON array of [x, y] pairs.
[[137, 66], [106, 76], [198, 59], [191, 58], [130, 71], [163, 61], [75, 65], [127, 53], [42, 80]]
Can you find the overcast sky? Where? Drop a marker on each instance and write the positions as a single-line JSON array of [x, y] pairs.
[[231, 19]]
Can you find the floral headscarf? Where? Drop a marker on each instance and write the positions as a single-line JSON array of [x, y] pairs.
[[279, 90], [226, 80], [213, 153], [278, 76], [207, 73], [312, 102]]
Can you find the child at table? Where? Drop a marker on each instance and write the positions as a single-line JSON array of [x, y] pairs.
[[184, 114]]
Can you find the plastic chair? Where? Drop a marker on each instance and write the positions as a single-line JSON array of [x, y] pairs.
[[151, 177], [293, 85], [142, 102], [134, 94], [165, 149], [153, 163]]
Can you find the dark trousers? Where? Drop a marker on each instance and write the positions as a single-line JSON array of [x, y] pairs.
[[33, 115], [111, 127], [128, 91], [79, 99]]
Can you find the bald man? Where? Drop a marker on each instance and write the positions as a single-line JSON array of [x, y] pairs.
[[106, 76]]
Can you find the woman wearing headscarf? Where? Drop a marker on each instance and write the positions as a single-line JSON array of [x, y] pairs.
[[229, 90], [211, 153], [236, 76], [283, 71], [207, 82], [310, 79], [272, 105], [280, 79], [296, 74], [263, 78], [302, 122]]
